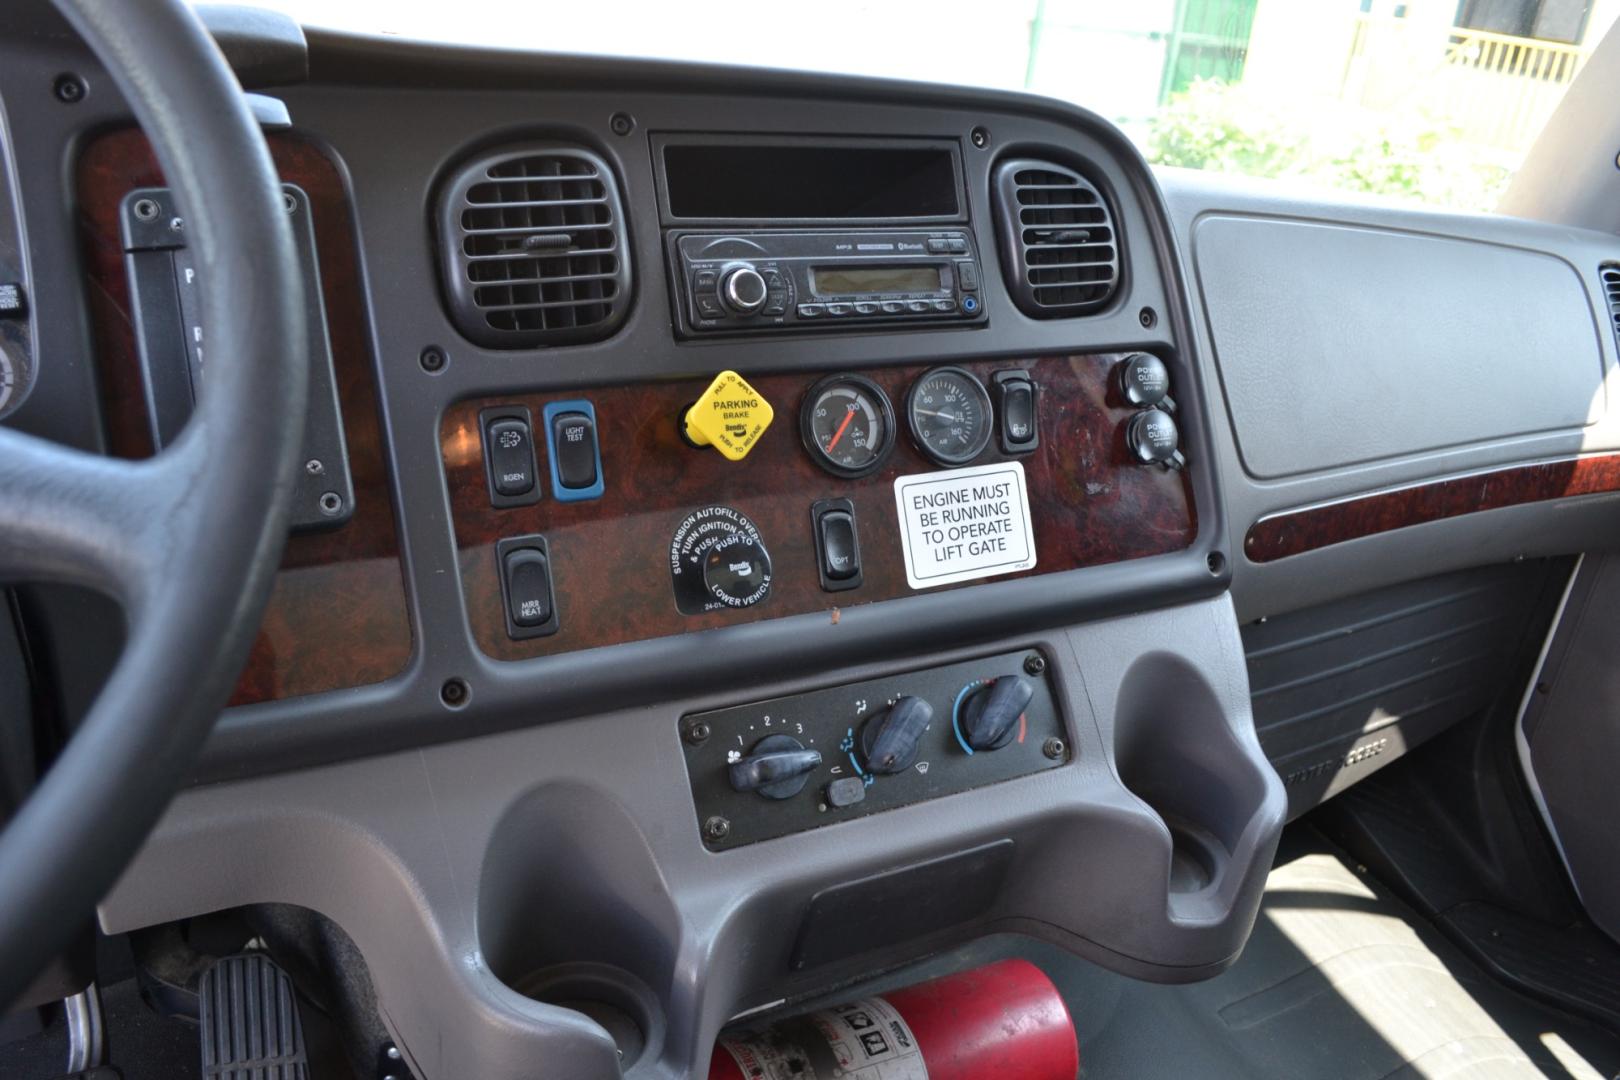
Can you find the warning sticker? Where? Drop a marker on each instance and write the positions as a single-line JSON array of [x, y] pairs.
[[964, 524], [863, 1040]]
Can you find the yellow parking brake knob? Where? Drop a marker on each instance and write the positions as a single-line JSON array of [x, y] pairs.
[[730, 416]]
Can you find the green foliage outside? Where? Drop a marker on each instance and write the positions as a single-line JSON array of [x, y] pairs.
[[1221, 128]]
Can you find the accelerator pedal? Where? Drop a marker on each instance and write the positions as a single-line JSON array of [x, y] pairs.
[[250, 1024]]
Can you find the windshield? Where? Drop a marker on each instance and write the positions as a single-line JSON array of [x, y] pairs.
[[1433, 100]]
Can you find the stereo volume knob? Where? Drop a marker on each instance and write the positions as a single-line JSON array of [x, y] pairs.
[[743, 290]]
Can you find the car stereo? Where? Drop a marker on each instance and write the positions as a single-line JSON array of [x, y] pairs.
[[809, 279]]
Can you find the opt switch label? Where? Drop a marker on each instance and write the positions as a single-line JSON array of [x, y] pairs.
[[964, 524]]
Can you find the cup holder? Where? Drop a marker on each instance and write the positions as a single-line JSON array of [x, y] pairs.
[[619, 1002], [1177, 751], [572, 912], [1196, 857]]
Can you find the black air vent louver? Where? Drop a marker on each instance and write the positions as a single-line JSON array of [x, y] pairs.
[[1059, 249], [1609, 275], [534, 250]]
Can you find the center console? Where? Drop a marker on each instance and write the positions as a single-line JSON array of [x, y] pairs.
[[1039, 467]]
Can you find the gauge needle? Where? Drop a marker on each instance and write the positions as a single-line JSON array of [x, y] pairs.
[[839, 434], [952, 417]]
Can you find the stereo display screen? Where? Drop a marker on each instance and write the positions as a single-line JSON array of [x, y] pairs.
[[859, 280]]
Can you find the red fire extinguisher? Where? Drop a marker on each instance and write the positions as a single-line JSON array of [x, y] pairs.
[[1004, 1021]]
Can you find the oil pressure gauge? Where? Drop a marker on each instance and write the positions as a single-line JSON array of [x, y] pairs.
[[847, 425]]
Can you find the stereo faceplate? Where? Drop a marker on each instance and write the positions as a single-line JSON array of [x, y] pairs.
[[808, 279]]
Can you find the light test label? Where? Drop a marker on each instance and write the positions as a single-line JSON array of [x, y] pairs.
[[964, 524]]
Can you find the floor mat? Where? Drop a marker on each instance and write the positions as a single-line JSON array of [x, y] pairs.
[[1340, 980]]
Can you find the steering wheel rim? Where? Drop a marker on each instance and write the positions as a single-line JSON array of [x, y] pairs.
[[188, 540]]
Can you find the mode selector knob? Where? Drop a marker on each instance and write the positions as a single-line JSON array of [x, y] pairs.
[[891, 739], [743, 290]]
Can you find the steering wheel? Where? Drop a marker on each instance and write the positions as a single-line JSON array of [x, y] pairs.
[[189, 540]]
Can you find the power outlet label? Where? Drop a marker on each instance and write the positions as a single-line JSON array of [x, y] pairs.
[[964, 524]]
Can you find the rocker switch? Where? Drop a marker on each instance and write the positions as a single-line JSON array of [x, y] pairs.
[[511, 457], [573, 435], [838, 544], [1018, 412], [575, 443], [1016, 403], [528, 587], [842, 559]]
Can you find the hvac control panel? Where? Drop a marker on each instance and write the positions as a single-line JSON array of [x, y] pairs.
[[771, 768]]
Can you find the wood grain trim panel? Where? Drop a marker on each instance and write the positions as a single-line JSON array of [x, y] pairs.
[[1309, 528], [337, 616], [1089, 503]]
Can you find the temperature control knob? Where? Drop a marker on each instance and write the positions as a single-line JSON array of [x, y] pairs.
[[743, 290], [777, 767], [890, 740], [990, 715]]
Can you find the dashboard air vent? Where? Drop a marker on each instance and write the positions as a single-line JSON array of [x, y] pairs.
[[1609, 274], [534, 248], [1059, 249]]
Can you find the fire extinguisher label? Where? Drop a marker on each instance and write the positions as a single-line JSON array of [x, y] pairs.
[[860, 1040]]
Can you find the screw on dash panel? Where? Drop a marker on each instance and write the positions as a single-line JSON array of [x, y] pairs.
[[289, 203], [1148, 318], [979, 137], [146, 209], [1053, 748], [621, 123], [1034, 664], [433, 359], [697, 733], [453, 693], [716, 829], [314, 467], [331, 503], [69, 89]]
